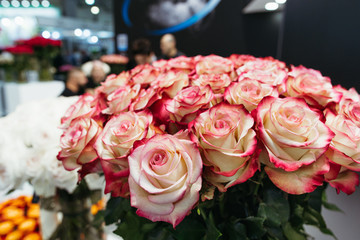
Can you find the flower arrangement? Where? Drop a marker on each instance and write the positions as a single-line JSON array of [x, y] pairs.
[[45, 51], [6, 61], [117, 62], [220, 148], [114, 59], [22, 56]]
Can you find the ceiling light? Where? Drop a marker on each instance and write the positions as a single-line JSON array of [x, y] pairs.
[[95, 10], [45, 3], [5, 3], [89, 2], [19, 20], [93, 39], [78, 32], [55, 35], [25, 3], [35, 3], [271, 6], [86, 33], [6, 22], [46, 34], [280, 1], [15, 3]]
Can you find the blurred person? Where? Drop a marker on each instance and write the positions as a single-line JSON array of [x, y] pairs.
[[96, 71], [168, 47], [84, 56], [141, 53], [74, 83]]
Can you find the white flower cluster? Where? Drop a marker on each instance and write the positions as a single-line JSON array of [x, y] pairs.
[[29, 144]]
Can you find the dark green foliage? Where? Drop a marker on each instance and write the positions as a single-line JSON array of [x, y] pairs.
[[254, 210]]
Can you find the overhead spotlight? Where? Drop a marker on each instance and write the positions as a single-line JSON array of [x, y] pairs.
[[90, 2], [280, 1], [19, 20], [15, 3], [25, 3], [5, 22], [86, 33], [55, 35], [46, 34], [271, 6], [93, 39], [35, 3], [5, 3], [95, 10], [45, 3], [78, 32]]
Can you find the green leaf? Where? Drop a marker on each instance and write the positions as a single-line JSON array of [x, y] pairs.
[[329, 206], [291, 233], [235, 231], [297, 218], [160, 233], [212, 233], [275, 233], [270, 214], [315, 198], [189, 229], [313, 217], [116, 208], [254, 226], [134, 227], [275, 199]]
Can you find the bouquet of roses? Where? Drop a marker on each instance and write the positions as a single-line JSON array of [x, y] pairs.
[[226, 148]]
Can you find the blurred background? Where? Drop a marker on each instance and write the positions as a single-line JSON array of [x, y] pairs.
[[321, 35]]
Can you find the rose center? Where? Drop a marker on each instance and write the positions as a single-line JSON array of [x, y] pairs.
[[293, 115], [250, 89], [158, 159], [220, 124], [122, 128], [75, 135]]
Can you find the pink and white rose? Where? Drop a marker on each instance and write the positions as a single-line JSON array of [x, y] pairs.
[[181, 63], [121, 99], [311, 85], [171, 82], [217, 82], [77, 143], [266, 70], [113, 82], [119, 134], [241, 59], [145, 99], [214, 64], [229, 144], [187, 104], [294, 136], [344, 148], [165, 177], [144, 74], [83, 107], [249, 92], [349, 106], [348, 94]]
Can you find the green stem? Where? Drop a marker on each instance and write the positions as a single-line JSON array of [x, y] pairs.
[[261, 177]]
